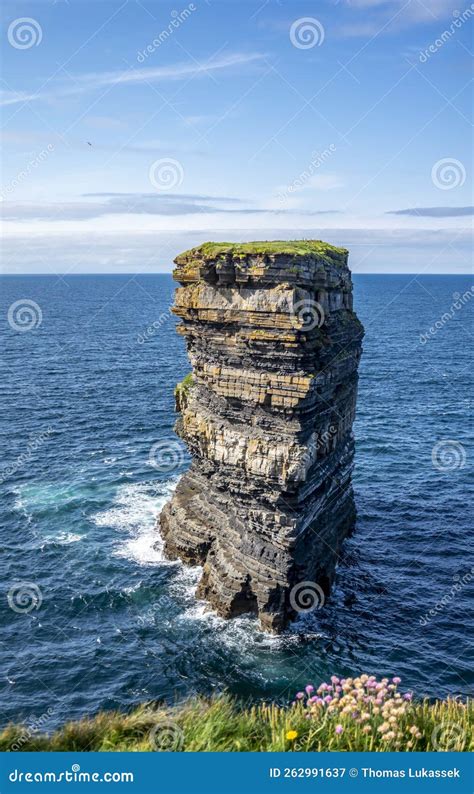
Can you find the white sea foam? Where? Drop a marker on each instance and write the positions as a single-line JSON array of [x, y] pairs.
[[62, 538], [134, 515]]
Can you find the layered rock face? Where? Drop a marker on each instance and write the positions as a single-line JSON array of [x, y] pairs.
[[274, 346]]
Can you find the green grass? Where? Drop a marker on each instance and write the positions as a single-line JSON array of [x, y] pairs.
[[222, 725], [181, 391], [185, 385], [208, 251]]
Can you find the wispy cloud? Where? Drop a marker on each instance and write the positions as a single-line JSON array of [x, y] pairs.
[[390, 16], [130, 204], [92, 81], [119, 204], [434, 212], [168, 196], [382, 250]]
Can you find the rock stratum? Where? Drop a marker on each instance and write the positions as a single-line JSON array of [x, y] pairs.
[[267, 416]]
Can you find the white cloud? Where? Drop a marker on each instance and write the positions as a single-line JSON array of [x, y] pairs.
[[373, 17], [152, 251], [95, 80]]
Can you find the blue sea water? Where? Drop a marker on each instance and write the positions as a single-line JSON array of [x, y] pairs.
[[89, 392]]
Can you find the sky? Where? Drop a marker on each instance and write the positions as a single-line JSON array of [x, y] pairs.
[[135, 129]]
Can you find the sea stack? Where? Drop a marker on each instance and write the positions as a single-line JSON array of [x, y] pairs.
[[267, 416]]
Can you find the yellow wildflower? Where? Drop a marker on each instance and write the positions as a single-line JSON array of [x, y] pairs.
[[291, 735]]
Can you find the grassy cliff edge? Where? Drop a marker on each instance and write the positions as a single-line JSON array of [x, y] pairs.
[[222, 725]]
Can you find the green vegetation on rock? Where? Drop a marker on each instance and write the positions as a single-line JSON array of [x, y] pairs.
[[210, 251], [181, 392], [184, 386]]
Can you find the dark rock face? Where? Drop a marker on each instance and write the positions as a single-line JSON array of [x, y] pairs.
[[274, 346]]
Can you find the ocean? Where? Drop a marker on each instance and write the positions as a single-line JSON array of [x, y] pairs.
[[91, 614]]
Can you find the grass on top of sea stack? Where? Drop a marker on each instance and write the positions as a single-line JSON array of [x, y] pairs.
[[364, 714], [210, 250]]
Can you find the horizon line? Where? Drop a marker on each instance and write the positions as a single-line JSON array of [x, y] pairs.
[[170, 273]]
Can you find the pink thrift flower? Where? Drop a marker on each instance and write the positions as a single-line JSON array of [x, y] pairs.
[[339, 729], [309, 688], [397, 680], [299, 695], [327, 699]]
